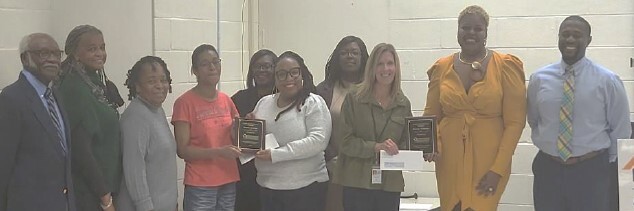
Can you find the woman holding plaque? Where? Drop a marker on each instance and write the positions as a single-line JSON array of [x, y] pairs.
[[293, 176], [202, 119], [260, 82], [481, 93], [373, 119], [344, 68]]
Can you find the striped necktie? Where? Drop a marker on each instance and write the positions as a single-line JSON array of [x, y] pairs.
[[566, 114], [50, 104]]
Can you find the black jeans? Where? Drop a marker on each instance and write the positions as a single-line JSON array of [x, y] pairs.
[[359, 199], [309, 198]]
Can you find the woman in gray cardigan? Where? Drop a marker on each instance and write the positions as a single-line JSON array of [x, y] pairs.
[[149, 148]]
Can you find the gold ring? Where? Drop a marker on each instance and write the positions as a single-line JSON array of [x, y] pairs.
[[490, 189]]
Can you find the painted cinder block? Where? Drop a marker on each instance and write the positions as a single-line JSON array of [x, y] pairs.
[[416, 92], [162, 34], [415, 63], [612, 30], [179, 63], [526, 32], [232, 66], [415, 34], [191, 9], [523, 159], [20, 22], [177, 91], [413, 9], [232, 10], [231, 36], [188, 34], [26, 4], [518, 190], [10, 67]]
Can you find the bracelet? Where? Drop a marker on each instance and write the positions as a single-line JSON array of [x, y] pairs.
[[106, 206]]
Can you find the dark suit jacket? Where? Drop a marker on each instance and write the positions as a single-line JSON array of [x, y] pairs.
[[34, 172]]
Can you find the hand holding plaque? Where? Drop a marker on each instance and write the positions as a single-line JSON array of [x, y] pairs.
[[250, 134], [421, 133]]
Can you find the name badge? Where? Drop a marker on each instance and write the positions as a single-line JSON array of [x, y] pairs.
[[376, 175]]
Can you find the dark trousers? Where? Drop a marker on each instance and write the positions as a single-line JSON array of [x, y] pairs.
[[614, 186], [578, 187], [309, 198], [359, 199], [247, 189]]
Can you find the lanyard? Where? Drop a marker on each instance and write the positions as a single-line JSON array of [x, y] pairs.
[[377, 136]]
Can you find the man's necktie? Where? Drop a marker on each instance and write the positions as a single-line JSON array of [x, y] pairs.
[[50, 102], [566, 114]]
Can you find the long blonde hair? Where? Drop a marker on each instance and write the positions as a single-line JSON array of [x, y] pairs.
[[367, 86]]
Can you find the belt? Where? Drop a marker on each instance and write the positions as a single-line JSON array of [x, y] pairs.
[[577, 159]]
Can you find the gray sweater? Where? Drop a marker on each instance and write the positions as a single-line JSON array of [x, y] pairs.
[[302, 136], [149, 160]]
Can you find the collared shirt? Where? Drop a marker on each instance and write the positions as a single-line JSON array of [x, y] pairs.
[[600, 112], [40, 88]]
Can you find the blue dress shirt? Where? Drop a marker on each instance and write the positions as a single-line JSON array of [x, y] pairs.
[[40, 88], [600, 115]]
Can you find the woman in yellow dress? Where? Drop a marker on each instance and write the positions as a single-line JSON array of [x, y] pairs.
[[479, 98]]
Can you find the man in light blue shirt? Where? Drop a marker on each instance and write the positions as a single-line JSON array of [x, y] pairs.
[[573, 173]]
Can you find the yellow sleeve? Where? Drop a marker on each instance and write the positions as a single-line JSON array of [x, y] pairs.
[[513, 112], [432, 104]]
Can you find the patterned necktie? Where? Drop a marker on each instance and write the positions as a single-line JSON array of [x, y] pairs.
[[50, 102], [565, 115]]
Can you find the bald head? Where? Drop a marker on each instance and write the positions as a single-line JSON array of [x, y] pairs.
[[41, 56]]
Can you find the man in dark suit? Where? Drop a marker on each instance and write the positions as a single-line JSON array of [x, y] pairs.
[[34, 134]]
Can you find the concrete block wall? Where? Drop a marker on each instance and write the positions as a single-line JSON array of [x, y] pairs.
[[18, 18], [180, 27]]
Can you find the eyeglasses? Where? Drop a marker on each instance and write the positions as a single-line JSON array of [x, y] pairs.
[[350, 53], [215, 63], [264, 67], [283, 74], [45, 54]]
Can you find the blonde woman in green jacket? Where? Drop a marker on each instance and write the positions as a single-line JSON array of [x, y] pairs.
[[373, 119]]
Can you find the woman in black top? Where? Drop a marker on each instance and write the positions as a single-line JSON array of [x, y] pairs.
[[260, 82], [345, 67]]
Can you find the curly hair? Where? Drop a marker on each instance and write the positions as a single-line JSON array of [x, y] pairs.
[[307, 77], [134, 74], [476, 10], [333, 66], [251, 75]]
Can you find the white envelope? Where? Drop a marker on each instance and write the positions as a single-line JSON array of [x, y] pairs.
[[405, 160], [270, 142]]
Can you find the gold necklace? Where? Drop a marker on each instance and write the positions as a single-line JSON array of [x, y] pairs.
[[476, 65]]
